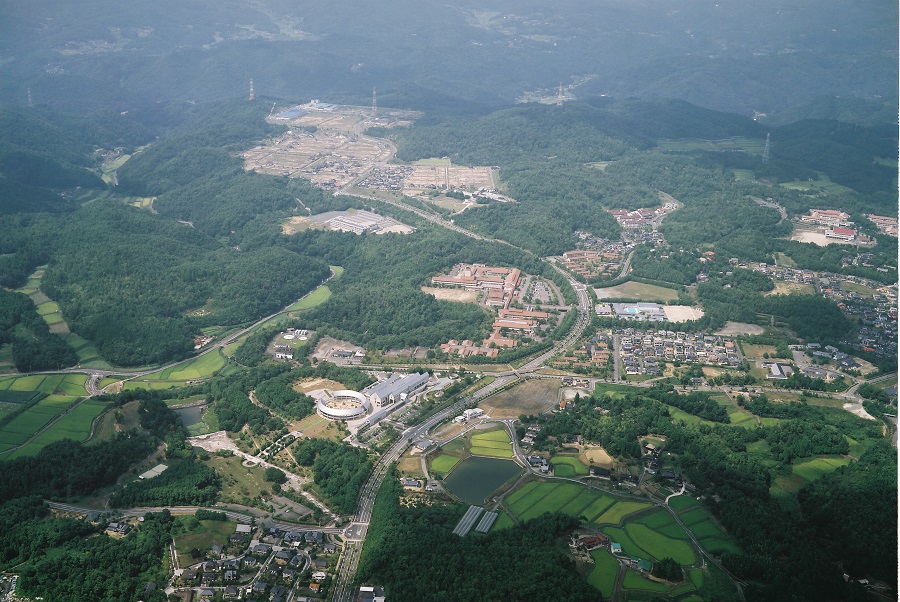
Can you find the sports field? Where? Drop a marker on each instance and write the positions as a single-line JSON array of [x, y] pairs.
[[637, 291]]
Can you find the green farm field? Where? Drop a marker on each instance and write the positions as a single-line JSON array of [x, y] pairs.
[[659, 546], [634, 581], [444, 463], [537, 497], [603, 577], [682, 502], [313, 299], [495, 444], [621, 509]]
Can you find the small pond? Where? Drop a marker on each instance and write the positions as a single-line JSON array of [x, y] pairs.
[[476, 477], [191, 416]]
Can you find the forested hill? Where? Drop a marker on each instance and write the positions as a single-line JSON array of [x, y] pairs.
[[765, 56], [566, 165], [43, 152]]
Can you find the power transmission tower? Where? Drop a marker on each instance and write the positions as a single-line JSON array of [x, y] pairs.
[[30, 101], [765, 157], [374, 103], [559, 96], [252, 93]]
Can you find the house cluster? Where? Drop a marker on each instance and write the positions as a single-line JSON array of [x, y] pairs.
[[886, 225], [617, 478], [641, 353], [500, 287], [875, 314], [592, 263], [592, 355], [540, 463], [640, 218], [779, 273], [653, 465], [266, 569], [530, 433], [387, 177]]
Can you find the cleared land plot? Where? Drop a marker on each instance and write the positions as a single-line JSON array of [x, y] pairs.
[[596, 456], [458, 295], [532, 397], [572, 463], [791, 288], [736, 328], [603, 577], [637, 291], [614, 391]]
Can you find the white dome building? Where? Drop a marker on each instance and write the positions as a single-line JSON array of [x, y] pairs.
[[343, 405]]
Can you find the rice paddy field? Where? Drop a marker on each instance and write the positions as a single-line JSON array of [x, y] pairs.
[[701, 524], [495, 444], [537, 497], [603, 577], [444, 463]]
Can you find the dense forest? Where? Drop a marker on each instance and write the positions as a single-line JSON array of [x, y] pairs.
[[410, 549], [339, 470]]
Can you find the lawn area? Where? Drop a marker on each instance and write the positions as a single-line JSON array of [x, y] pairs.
[[742, 418], [574, 465], [637, 291], [688, 419], [317, 427], [603, 577], [755, 352], [635, 581], [615, 514], [313, 299], [240, 484], [444, 463], [659, 546], [204, 537]]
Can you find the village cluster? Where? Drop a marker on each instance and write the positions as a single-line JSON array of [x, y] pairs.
[[642, 352]]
